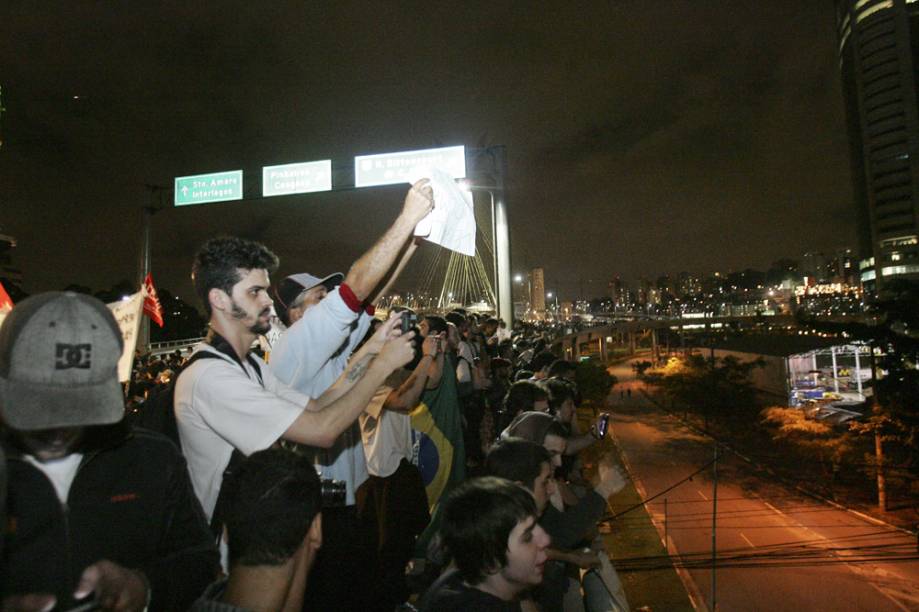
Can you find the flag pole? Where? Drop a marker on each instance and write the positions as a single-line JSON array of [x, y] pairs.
[[147, 215]]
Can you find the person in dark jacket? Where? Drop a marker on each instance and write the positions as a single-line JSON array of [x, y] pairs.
[[96, 512], [490, 529]]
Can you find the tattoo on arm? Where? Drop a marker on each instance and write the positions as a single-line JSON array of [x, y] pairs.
[[357, 370]]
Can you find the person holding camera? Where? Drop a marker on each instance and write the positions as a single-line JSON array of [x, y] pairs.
[[233, 401], [395, 488], [327, 319]]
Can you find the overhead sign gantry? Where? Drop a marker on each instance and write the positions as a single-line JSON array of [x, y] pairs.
[[487, 175]]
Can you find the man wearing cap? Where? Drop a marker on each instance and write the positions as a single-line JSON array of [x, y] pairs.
[[327, 318], [95, 510]]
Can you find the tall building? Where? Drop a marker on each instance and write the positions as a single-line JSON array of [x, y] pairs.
[[814, 266], [616, 294], [842, 267], [645, 292], [688, 284], [878, 59], [538, 292]]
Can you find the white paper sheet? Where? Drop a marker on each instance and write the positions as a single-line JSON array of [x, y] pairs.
[[452, 222]]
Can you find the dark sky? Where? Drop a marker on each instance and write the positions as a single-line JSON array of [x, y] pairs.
[[643, 137]]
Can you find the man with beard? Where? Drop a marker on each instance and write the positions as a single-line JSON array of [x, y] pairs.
[[232, 401]]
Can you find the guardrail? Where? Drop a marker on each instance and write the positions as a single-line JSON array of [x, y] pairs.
[[161, 348]]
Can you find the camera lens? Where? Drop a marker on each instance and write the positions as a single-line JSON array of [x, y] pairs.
[[333, 493]]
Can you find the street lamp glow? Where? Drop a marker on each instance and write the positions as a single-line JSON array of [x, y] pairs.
[[518, 278], [549, 295]]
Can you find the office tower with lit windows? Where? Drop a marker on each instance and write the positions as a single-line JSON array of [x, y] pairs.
[[538, 292], [878, 60]]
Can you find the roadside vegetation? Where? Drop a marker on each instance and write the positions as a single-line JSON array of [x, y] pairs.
[[839, 461]]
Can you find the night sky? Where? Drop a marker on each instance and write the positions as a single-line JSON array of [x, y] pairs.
[[643, 138]]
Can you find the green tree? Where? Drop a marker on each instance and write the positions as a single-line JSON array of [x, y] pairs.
[[594, 382], [891, 329], [716, 388], [815, 439]]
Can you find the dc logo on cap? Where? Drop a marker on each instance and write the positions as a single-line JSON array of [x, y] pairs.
[[73, 356]]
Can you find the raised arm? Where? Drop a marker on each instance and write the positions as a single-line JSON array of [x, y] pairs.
[[405, 398], [437, 367], [368, 271], [407, 251], [360, 359], [322, 427]]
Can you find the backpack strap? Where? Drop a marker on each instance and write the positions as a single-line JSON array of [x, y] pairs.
[[220, 344]]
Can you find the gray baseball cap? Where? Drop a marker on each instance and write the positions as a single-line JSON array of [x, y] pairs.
[[295, 284], [59, 357]]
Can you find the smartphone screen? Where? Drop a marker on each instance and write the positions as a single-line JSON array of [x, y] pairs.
[[604, 423]]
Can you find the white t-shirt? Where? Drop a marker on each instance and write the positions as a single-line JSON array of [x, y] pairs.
[[220, 406], [464, 362], [60, 472], [387, 435]]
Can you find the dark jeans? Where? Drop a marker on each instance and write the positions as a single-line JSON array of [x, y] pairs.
[[343, 578], [401, 508], [473, 407]]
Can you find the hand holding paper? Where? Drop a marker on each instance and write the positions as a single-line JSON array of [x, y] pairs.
[[419, 201], [452, 222]]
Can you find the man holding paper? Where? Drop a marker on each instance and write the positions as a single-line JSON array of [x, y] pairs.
[[327, 318]]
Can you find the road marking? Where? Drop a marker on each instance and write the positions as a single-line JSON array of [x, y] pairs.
[[774, 509], [823, 542], [747, 540], [692, 589], [701, 494]]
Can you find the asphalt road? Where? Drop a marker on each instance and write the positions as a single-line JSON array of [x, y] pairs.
[[776, 549]]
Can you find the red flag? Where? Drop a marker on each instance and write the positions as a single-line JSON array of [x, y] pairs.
[[152, 306], [6, 304]]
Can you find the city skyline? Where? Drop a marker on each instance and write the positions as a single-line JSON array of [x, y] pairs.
[[710, 135]]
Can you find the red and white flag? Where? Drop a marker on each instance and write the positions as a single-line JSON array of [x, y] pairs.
[[6, 304], [152, 306]]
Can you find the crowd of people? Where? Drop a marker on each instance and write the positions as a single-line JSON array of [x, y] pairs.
[[306, 456]]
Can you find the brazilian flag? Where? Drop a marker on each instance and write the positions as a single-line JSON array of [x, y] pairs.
[[438, 436], [437, 432]]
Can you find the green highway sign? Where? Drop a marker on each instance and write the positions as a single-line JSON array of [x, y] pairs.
[[204, 188], [400, 167], [304, 177]]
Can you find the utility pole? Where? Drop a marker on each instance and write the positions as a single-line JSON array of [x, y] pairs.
[[714, 526], [879, 458]]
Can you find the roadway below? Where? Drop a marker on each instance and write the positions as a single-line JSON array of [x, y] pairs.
[[776, 549]]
